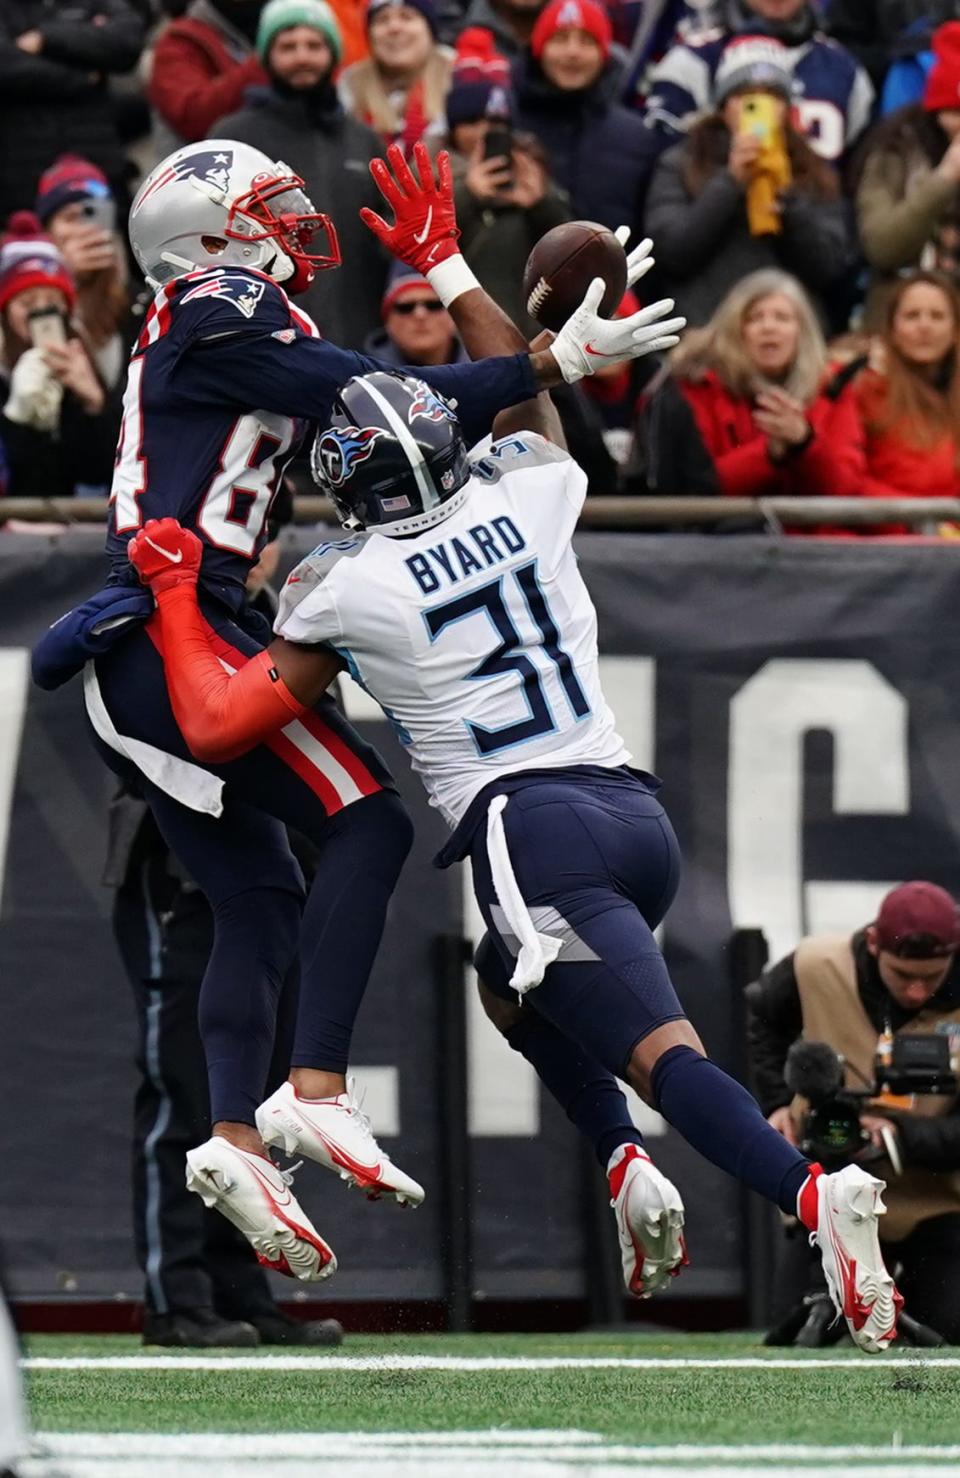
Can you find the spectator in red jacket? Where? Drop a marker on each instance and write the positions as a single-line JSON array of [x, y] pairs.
[[769, 411], [202, 65], [911, 406]]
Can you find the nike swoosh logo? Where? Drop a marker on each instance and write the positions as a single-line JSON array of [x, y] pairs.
[[279, 1197], [174, 559], [597, 354], [341, 1157], [421, 236]]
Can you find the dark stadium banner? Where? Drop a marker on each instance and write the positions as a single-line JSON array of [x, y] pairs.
[[800, 700]]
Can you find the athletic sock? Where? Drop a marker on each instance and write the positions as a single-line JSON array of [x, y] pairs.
[[719, 1118], [807, 1209], [590, 1097]]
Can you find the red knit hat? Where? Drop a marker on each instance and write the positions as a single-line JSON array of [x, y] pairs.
[[942, 89], [572, 15], [28, 258]]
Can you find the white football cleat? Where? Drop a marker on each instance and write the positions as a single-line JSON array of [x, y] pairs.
[[649, 1215], [336, 1133], [849, 1207], [255, 1195]]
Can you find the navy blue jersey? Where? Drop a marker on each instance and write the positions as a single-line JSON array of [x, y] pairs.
[[223, 383], [833, 96]]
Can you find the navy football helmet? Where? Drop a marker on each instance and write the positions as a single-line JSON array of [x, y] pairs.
[[393, 457]]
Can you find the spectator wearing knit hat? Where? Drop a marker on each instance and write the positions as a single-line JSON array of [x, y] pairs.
[[510, 22], [75, 206], [202, 63], [504, 203], [416, 328], [566, 87], [58, 426], [908, 194], [745, 191], [833, 96], [298, 117], [400, 89], [56, 62]]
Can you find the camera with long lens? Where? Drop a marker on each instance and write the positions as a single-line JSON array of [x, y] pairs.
[[905, 1066]]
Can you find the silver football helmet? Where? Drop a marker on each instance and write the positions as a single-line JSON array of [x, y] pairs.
[[219, 203]]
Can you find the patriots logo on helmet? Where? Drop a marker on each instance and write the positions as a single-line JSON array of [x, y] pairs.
[[211, 166], [340, 451], [428, 406]]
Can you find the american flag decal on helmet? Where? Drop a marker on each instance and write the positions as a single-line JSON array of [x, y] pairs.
[[211, 165]]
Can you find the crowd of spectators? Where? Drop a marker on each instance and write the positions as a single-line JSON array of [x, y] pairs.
[[797, 163]]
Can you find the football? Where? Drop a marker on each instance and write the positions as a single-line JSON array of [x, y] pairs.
[[562, 266]]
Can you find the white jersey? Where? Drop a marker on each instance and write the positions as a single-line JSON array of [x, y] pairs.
[[477, 637]]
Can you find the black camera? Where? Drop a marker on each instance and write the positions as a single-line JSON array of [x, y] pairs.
[[912, 1063], [915, 1062]]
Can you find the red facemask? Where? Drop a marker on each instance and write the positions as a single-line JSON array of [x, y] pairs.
[[278, 209]]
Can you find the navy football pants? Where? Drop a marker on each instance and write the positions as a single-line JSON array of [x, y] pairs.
[[597, 864], [328, 784], [604, 857]]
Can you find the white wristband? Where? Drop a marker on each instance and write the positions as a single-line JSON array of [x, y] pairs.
[[450, 279]]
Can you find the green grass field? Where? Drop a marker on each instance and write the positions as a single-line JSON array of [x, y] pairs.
[[371, 1405]]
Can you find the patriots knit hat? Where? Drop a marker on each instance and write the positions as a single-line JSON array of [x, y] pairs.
[[942, 88], [28, 258], [753, 62], [572, 15], [426, 8], [68, 179], [480, 85], [401, 280], [281, 15]]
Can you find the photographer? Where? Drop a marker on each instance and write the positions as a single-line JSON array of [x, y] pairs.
[[865, 996]]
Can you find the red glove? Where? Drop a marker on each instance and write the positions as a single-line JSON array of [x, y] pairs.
[[165, 555], [425, 230]]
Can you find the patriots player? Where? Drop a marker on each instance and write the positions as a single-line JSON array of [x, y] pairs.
[[223, 382], [456, 600]]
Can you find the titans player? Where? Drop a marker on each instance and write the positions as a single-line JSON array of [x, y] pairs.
[[458, 603], [225, 378]]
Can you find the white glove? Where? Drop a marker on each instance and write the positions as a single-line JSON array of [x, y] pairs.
[[588, 342], [639, 261], [35, 396]]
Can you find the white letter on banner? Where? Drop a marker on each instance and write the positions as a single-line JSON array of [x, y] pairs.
[[504, 1095], [769, 718], [14, 675]]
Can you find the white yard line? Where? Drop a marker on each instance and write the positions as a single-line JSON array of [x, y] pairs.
[[281, 1363], [532, 1454], [255, 1447]]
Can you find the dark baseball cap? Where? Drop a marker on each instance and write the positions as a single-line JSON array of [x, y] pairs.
[[918, 921]]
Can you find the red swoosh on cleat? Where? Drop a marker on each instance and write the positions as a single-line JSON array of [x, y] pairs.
[[312, 1239], [271, 1190], [366, 1175]]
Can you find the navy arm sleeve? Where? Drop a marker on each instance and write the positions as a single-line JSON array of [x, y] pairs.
[[260, 365]]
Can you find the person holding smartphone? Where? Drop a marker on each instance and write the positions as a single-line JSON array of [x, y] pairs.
[[76, 206], [58, 426], [745, 191], [505, 197]]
